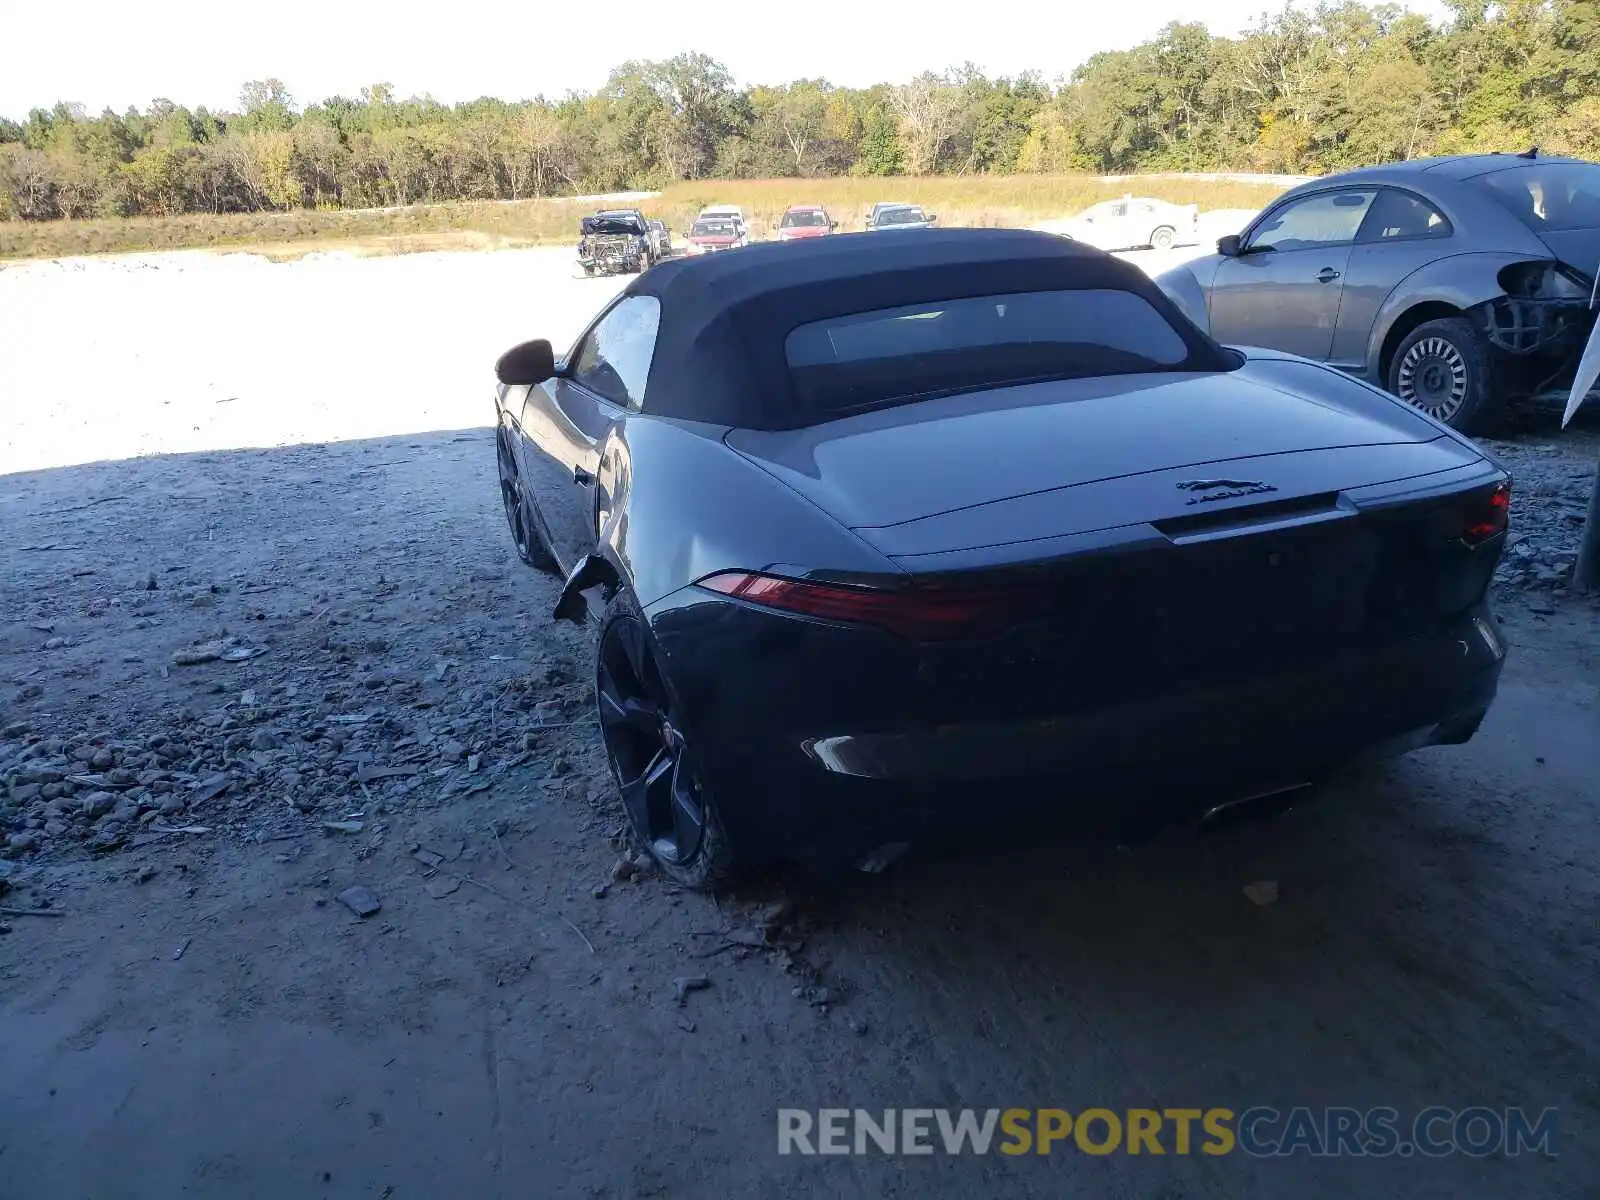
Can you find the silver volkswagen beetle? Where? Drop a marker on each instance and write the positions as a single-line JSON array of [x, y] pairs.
[[1456, 283]]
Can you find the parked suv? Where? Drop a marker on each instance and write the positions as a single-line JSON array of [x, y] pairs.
[[802, 221], [660, 239], [612, 241]]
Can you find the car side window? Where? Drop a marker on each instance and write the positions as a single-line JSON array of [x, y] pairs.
[[1396, 214], [1326, 219], [613, 361]]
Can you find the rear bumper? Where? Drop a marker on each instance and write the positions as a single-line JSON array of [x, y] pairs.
[[819, 742], [1328, 711]]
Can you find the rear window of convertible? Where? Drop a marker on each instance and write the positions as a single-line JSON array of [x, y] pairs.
[[897, 355]]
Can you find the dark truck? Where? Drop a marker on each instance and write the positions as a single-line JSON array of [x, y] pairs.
[[613, 241]]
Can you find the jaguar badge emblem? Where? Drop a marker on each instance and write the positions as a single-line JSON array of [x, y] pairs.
[[1223, 489]]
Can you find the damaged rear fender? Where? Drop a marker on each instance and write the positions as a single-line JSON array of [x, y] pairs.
[[1473, 285]]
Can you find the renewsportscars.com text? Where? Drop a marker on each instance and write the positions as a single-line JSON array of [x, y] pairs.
[[1259, 1131]]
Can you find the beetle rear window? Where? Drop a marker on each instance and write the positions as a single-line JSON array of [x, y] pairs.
[[897, 355], [1549, 196]]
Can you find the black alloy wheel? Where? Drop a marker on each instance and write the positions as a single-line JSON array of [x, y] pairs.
[[649, 755], [524, 535]]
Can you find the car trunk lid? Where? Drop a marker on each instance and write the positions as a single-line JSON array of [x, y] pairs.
[[1020, 454], [1171, 528]]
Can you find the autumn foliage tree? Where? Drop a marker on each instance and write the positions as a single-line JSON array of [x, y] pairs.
[[1304, 90]]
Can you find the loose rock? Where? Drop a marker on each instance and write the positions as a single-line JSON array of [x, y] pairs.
[[623, 870], [443, 886], [359, 900], [97, 804], [1263, 892], [684, 984]]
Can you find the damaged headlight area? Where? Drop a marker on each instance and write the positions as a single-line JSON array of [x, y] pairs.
[[1545, 306]]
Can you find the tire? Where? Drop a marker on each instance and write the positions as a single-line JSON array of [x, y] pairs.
[[1163, 238], [1443, 368], [528, 537], [659, 784]]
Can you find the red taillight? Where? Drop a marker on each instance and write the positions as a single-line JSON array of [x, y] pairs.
[[922, 613], [1488, 517]]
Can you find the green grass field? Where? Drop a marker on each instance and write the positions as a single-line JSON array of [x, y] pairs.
[[972, 200]]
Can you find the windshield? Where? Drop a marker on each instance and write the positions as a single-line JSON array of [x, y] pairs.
[[712, 229], [845, 364], [1548, 196], [611, 224], [900, 216], [793, 219]]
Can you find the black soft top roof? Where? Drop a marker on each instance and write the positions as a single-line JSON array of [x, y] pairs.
[[719, 353]]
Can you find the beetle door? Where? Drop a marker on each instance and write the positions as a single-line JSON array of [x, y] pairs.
[[1282, 291]]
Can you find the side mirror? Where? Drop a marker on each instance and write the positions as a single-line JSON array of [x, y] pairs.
[[1228, 245], [525, 365], [932, 217]]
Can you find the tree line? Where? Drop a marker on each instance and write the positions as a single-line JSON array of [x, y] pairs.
[[1302, 91]]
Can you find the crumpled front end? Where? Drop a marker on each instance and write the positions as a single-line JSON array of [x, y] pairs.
[[608, 252]]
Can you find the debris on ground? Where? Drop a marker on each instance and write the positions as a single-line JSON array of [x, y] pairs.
[[222, 649], [1549, 504], [684, 984], [817, 995], [774, 916], [1263, 892], [443, 885], [359, 900], [31, 912]]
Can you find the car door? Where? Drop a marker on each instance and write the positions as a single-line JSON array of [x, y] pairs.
[[1142, 222], [566, 419], [1402, 233], [1112, 226], [1282, 290]]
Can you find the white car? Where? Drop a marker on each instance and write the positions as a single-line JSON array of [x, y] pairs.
[[1134, 222]]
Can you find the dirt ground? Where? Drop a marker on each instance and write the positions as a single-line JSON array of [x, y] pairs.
[[290, 466]]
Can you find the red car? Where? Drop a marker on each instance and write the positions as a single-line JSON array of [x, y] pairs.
[[709, 234], [805, 221]]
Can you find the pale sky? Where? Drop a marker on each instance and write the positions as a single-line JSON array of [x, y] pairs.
[[111, 52]]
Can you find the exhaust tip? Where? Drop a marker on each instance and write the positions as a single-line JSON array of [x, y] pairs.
[[1260, 806]]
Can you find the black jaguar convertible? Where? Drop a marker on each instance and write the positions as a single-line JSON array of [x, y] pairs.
[[882, 525]]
